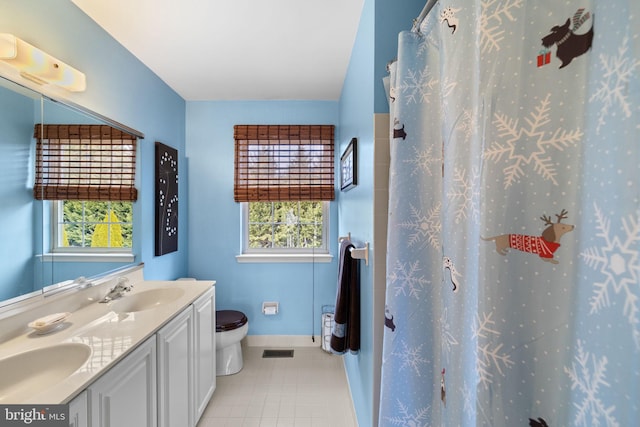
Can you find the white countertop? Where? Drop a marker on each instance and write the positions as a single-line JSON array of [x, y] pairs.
[[109, 335]]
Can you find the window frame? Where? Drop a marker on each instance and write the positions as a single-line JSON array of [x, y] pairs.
[[248, 254]]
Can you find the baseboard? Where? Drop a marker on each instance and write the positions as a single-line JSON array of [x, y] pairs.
[[281, 341]]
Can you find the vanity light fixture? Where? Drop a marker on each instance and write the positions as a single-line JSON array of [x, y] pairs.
[[37, 66]]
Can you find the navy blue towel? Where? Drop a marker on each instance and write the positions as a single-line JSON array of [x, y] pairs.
[[346, 329]]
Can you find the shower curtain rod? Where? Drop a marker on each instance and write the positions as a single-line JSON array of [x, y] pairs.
[[425, 11]]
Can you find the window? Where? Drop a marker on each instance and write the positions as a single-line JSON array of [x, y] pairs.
[[87, 172], [284, 181], [286, 226], [100, 225]]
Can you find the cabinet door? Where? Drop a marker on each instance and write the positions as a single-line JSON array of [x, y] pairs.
[[204, 309], [126, 395], [78, 414], [175, 372]]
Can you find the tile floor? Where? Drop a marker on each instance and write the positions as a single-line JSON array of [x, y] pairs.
[[308, 390]]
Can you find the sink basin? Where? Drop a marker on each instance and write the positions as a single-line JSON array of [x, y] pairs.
[[146, 300], [27, 373]]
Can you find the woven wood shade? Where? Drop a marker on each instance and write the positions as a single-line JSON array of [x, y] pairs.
[[283, 162], [84, 162]]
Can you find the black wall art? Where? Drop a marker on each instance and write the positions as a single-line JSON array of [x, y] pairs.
[[166, 199]]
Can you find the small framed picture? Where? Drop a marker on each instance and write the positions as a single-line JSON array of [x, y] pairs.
[[349, 166]]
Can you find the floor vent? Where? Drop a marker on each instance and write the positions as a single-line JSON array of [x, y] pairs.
[[268, 354]]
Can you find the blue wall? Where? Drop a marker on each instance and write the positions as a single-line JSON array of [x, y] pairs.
[[119, 86], [363, 96], [214, 220], [356, 206]]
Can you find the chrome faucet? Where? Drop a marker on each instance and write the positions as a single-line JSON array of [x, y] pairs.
[[122, 286]]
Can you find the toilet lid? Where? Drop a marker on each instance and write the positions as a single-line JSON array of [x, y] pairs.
[[228, 320]]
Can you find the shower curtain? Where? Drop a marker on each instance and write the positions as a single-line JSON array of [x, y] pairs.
[[512, 295]]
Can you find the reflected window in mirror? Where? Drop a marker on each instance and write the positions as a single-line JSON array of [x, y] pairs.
[[79, 225], [87, 174]]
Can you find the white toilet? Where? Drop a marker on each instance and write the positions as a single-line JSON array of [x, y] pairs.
[[231, 328]]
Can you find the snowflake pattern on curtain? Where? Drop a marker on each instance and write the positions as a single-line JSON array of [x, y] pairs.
[[515, 122]]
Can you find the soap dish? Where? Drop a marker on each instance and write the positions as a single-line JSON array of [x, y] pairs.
[[50, 323]]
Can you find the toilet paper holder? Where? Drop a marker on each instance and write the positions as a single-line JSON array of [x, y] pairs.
[[270, 308]]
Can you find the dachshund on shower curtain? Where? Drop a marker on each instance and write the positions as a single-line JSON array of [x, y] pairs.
[[544, 245]]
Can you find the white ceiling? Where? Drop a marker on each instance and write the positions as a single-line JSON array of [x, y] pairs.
[[237, 49]]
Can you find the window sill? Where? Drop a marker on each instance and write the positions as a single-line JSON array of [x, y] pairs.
[[284, 258], [88, 257]]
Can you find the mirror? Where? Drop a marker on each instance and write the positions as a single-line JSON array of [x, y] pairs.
[[19, 110], [26, 264]]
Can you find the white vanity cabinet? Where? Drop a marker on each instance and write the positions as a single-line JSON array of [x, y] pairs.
[[175, 371], [167, 381], [186, 363], [127, 394], [78, 415], [204, 311]]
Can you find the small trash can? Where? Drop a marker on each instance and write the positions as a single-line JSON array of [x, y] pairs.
[[327, 326]]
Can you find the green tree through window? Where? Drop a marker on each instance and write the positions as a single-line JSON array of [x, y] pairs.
[[96, 224], [285, 225]]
